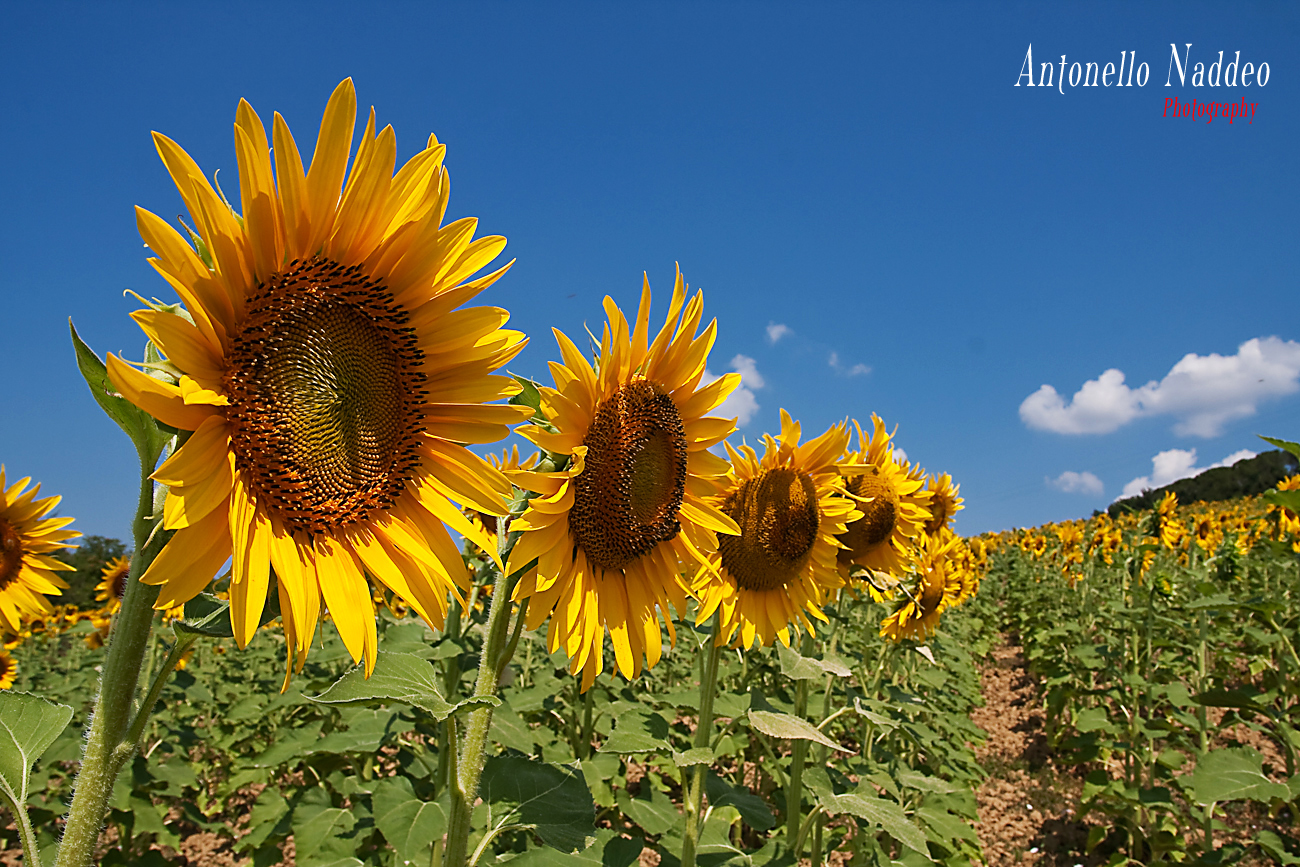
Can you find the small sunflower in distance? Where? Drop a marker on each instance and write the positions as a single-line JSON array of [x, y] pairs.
[[8, 670], [27, 541], [780, 569], [944, 502], [937, 586], [112, 584], [613, 531], [328, 378], [895, 507]]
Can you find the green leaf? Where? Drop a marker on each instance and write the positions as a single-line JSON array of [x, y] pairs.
[[400, 677], [1092, 719], [552, 798], [510, 730], [638, 732], [409, 824], [265, 819], [925, 783], [753, 809], [1286, 445], [366, 730], [1273, 844], [797, 667], [1244, 699], [694, 756], [783, 725], [652, 810], [209, 616], [887, 814], [1285, 499], [28, 725], [1233, 775], [135, 422], [320, 830], [609, 850], [530, 397]]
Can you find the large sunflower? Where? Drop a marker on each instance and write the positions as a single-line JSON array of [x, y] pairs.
[[328, 379], [27, 539], [614, 530], [780, 568], [894, 505]]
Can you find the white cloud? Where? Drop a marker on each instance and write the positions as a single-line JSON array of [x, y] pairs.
[[900, 456], [1076, 483], [838, 366], [1174, 464], [741, 403], [1202, 392], [776, 330]]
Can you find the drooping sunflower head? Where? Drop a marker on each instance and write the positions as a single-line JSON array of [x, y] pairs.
[[895, 507], [8, 670], [329, 379], [944, 502], [613, 530], [112, 584], [27, 540], [778, 571], [937, 585]]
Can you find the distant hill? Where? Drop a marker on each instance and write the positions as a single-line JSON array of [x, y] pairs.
[[1243, 479]]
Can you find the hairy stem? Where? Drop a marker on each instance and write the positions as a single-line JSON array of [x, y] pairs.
[[703, 737]]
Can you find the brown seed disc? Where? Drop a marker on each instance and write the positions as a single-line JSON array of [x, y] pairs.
[[11, 554], [118, 577], [324, 391], [778, 519], [630, 490], [879, 517]]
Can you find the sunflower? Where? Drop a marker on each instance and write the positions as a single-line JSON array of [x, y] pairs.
[[27, 539], [780, 569], [328, 378], [8, 671], [938, 585], [944, 502], [112, 585], [895, 508], [613, 531]]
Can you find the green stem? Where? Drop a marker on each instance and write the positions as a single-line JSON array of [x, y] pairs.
[[794, 788], [31, 855], [473, 750], [102, 759], [183, 643], [703, 737]]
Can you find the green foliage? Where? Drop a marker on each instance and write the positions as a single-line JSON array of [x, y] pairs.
[[1245, 478]]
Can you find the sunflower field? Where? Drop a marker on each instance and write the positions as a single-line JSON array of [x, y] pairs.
[[344, 636]]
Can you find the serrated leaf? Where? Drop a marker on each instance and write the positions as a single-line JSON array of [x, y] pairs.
[[28, 725], [1233, 775], [694, 756], [608, 850], [410, 825], [400, 677], [638, 732], [134, 422], [798, 667], [554, 799], [1286, 445], [783, 725], [652, 810], [887, 814], [320, 829]]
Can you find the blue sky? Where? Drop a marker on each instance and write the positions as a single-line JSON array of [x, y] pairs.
[[934, 243]]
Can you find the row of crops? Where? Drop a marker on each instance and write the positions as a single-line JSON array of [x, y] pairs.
[[886, 769], [1166, 646]]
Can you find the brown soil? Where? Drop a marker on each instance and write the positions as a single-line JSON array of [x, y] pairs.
[[1027, 806]]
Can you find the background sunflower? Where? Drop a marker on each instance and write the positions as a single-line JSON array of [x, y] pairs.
[[27, 539], [613, 530]]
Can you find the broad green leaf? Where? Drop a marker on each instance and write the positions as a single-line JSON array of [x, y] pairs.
[[552, 798], [783, 725], [28, 725], [887, 814], [366, 730], [1239, 698], [608, 850], [529, 397], [1273, 844], [209, 616], [925, 783], [400, 677], [320, 829], [407, 823], [753, 809], [1285, 499], [694, 756], [1092, 719], [638, 732], [269, 811], [797, 667], [946, 825], [1233, 775], [1285, 445], [652, 810], [510, 730], [134, 422]]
